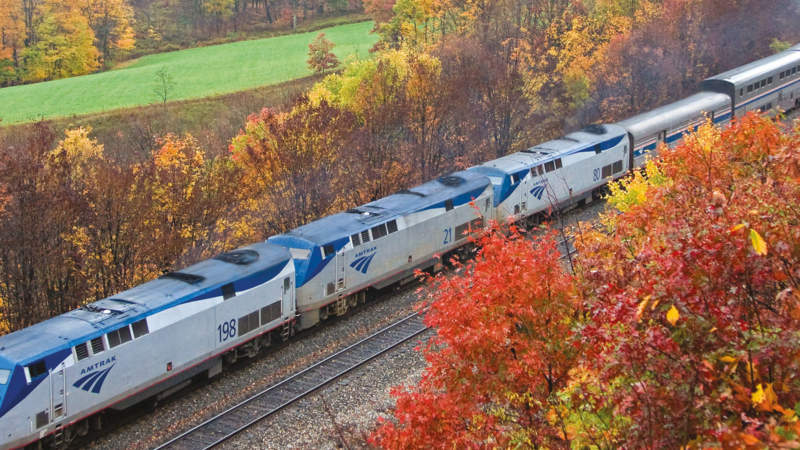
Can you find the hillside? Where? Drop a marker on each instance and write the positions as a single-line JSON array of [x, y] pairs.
[[194, 73]]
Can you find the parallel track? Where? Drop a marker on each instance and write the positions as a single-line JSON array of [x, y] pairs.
[[230, 422]]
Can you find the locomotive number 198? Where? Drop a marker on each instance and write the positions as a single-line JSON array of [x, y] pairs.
[[227, 330]]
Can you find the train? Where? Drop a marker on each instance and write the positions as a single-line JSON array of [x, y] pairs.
[[152, 340]]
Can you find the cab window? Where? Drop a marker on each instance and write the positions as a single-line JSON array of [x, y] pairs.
[[36, 369]]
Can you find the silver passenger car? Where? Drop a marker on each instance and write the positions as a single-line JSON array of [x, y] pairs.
[[667, 124], [771, 82]]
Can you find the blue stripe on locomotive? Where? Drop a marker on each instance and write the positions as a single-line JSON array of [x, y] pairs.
[[306, 269], [458, 200], [17, 387], [239, 285], [504, 190]]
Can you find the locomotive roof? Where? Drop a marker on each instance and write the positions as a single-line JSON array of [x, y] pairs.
[[758, 69], [459, 187], [574, 142], [261, 260], [670, 116]]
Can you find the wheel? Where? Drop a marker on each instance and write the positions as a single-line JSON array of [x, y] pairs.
[[231, 357]]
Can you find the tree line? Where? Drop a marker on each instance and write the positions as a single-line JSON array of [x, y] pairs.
[[50, 39]]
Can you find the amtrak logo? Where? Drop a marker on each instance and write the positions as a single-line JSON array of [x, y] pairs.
[[363, 260], [93, 381], [538, 191]]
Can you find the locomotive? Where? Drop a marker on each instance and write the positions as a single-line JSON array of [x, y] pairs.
[[153, 339]]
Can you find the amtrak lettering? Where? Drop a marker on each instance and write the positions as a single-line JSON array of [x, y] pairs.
[[92, 380], [539, 188], [98, 365], [363, 259], [365, 251]]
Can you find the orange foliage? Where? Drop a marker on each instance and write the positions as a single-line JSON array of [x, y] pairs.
[[501, 354]]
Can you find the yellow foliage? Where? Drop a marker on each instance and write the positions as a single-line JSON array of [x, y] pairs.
[[75, 158], [77, 146], [759, 245], [673, 315], [631, 191], [764, 397], [642, 305], [363, 85], [707, 138]]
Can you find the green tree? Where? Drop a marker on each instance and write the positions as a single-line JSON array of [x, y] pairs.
[[163, 84]]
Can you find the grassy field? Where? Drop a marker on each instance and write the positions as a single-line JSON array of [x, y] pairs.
[[195, 73]]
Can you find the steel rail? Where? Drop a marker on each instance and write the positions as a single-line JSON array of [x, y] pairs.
[[245, 414]]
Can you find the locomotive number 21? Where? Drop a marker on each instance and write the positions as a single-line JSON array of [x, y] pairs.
[[227, 330]]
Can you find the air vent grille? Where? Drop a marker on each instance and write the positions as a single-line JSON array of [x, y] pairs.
[[451, 180], [239, 257], [185, 277], [595, 129]]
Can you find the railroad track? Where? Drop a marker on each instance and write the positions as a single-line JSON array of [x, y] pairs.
[[247, 413], [232, 421]]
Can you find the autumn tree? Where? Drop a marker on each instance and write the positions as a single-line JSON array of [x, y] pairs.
[[64, 44], [694, 315], [41, 272], [379, 10], [502, 352], [320, 55], [190, 197], [220, 10], [111, 21], [400, 102], [289, 164], [12, 40]]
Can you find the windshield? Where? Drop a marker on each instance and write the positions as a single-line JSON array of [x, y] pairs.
[[300, 253]]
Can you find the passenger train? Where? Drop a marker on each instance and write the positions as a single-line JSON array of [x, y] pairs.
[[149, 341]]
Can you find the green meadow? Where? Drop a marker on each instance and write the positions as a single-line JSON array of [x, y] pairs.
[[194, 73]]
